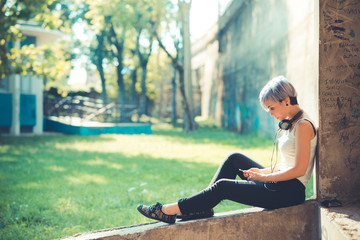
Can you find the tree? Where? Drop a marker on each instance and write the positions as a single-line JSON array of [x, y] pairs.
[[97, 58], [98, 48], [128, 26], [184, 7], [173, 99], [144, 26], [189, 122], [119, 43], [112, 18]]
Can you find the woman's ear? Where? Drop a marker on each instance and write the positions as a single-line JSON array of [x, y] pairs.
[[287, 101]]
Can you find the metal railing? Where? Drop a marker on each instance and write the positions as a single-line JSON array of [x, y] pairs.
[[88, 109]]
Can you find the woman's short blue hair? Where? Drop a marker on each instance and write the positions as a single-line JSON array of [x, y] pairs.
[[276, 90]]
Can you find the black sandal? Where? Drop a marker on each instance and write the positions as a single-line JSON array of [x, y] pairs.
[[154, 212]]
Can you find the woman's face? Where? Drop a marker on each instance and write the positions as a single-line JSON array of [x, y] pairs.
[[277, 110]]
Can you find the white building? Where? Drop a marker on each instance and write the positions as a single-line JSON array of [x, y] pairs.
[[21, 97]]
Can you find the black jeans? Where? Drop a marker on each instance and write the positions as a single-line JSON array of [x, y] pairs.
[[224, 186]]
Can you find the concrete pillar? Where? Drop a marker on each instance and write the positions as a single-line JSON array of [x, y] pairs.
[[14, 86], [339, 101], [37, 89]]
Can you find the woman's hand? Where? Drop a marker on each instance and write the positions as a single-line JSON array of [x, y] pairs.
[[254, 174], [251, 170]]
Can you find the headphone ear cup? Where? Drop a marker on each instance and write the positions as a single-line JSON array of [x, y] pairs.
[[285, 124]]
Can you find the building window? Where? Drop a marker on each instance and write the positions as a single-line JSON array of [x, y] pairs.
[[28, 41]]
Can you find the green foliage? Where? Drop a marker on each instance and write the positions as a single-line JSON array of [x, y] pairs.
[[133, 23], [56, 186], [49, 60], [28, 59]]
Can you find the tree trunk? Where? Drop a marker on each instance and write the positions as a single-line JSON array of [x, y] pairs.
[[121, 89], [185, 17], [119, 45], [143, 99], [161, 102], [144, 60], [99, 51], [100, 69], [173, 111], [161, 87], [189, 122], [120, 79], [132, 87]]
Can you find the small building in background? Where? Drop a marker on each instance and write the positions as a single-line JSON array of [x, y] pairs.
[[21, 96]]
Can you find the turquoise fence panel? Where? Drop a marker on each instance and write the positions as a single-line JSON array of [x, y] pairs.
[[132, 128], [55, 126], [27, 110], [5, 109]]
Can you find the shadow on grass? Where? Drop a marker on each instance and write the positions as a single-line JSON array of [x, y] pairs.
[[56, 138], [208, 135], [203, 135]]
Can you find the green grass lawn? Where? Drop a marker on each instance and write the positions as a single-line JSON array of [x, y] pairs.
[[60, 185]]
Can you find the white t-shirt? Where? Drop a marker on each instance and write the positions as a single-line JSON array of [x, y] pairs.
[[287, 146]]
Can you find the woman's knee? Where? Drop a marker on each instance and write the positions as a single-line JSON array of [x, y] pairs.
[[222, 187], [234, 157]]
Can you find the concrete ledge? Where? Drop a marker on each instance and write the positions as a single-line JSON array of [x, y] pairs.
[[297, 222], [340, 222]]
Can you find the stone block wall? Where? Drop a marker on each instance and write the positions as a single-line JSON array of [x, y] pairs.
[[339, 100]]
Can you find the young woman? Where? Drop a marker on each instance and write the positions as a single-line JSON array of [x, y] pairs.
[[281, 185]]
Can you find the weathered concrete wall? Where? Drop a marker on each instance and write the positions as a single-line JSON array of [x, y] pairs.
[[257, 41], [298, 222], [339, 100], [204, 64], [302, 53], [253, 42]]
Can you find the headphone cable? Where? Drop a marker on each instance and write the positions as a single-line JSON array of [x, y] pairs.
[[275, 146]]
